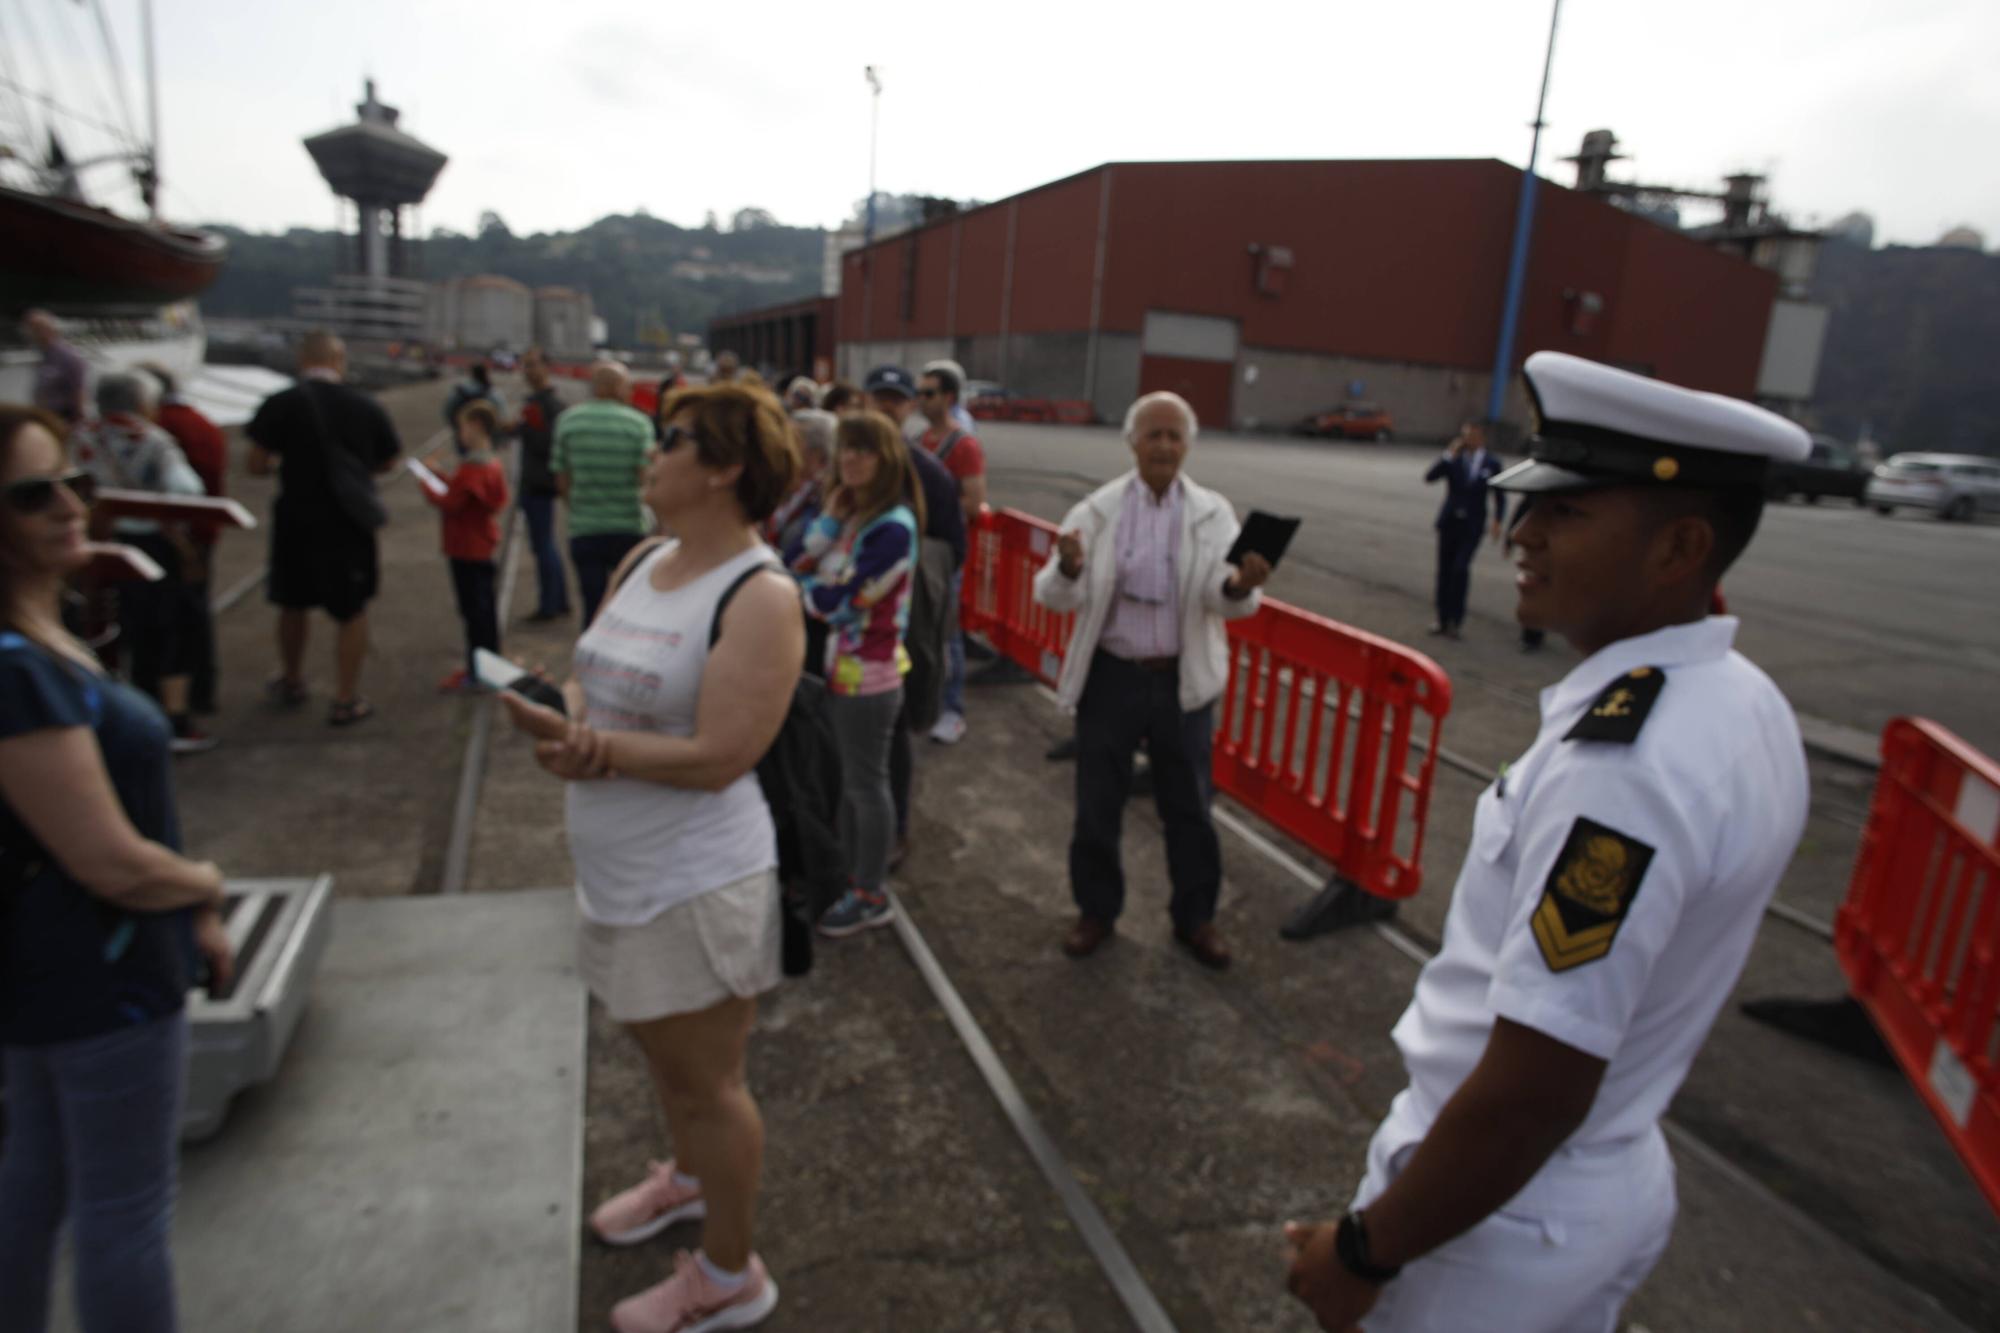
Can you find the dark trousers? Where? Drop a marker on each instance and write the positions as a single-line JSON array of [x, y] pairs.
[[472, 583], [902, 767], [551, 584], [1124, 703], [1456, 547], [200, 647], [595, 557], [154, 618]]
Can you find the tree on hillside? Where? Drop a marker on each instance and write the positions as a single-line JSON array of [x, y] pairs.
[[491, 223], [751, 219]]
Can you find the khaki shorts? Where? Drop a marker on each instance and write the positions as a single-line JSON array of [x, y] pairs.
[[691, 957]]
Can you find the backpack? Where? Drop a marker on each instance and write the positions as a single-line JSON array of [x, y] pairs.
[[800, 777]]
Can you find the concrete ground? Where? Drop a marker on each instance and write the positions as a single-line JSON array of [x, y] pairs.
[[1199, 1111]]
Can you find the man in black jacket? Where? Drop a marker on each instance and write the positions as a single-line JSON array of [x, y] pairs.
[[1465, 469]]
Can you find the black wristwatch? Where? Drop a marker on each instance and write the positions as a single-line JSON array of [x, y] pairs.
[[1350, 1246]]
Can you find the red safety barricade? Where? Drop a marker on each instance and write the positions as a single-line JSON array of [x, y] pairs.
[[1919, 934], [1328, 732], [1073, 412], [1331, 734]]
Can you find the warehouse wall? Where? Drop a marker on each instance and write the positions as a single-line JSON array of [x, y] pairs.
[[1425, 402]]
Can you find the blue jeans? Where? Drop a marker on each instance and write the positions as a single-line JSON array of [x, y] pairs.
[[954, 654], [552, 596], [93, 1130]]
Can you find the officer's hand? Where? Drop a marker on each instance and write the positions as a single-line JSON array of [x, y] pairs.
[[1252, 574], [1069, 549], [1336, 1297]]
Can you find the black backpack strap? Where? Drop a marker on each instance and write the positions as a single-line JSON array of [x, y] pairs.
[[949, 443], [722, 602]]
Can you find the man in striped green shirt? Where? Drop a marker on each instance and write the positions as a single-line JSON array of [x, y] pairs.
[[599, 461]]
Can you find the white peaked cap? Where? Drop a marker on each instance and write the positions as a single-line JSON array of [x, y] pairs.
[[1596, 425]]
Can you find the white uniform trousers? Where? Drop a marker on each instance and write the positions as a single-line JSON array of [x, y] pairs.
[[1562, 1256]]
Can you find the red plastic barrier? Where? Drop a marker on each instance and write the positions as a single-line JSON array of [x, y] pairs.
[[1919, 934], [1329, 733], [1073, 412]]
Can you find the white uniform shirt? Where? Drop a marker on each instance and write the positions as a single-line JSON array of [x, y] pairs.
[[1714, 784]]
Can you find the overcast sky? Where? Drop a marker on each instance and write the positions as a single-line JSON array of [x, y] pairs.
[[554, 115]]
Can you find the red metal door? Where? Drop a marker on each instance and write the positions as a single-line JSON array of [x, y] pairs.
[[1205, 384]]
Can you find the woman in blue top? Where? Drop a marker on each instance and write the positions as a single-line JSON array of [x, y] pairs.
[[100, 921]]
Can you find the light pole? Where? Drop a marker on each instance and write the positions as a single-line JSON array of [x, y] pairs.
[[1524, 226], [874, 125]]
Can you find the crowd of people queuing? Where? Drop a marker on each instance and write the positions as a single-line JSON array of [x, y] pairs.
[[740, 539]]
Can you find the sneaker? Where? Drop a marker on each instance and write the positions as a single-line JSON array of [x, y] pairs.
[[189, 738], [950, 729], [856, 911], [691, 1302], [648, 1208]]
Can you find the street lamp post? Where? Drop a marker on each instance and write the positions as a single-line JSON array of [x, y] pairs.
[[1524, 226], [874, 125]]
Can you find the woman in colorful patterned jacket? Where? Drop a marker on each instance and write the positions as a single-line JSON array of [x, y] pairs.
[[855, 565]]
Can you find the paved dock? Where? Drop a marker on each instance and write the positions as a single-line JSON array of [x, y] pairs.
[[1197, 1111]]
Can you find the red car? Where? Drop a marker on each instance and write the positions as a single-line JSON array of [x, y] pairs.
[[1349, 421]]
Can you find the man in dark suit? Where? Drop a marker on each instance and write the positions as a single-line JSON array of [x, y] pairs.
[[1465, 469]]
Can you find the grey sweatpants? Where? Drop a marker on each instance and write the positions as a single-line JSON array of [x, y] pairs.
[[862, 724]]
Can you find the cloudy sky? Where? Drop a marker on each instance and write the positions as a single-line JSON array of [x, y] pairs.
[[555, 115]]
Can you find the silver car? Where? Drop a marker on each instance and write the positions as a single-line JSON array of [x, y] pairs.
[[1951, 485]]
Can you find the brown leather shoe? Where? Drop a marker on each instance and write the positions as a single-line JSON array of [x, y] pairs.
[[1205, 942], [1086, 937]]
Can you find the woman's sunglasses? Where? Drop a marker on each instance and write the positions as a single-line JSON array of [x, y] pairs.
[[670, 440], [37, 495]]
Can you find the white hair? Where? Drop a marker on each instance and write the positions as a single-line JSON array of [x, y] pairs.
[[127, 391], [802, 392], [1147, 400], [816, 430]]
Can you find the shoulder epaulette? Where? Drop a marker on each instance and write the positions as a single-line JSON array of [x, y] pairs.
[[1618, 713]]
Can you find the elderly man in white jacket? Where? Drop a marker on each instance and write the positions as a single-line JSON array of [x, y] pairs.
[[1142, 561]]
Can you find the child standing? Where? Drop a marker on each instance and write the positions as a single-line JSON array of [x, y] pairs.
[[473, 499]]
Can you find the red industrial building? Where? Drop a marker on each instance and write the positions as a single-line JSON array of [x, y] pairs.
[[797, 336], [1263, 291]]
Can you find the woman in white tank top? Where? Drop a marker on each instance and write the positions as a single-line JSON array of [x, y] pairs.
[[676, 857]]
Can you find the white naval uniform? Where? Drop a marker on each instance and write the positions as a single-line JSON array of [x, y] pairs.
[[1714, 783]]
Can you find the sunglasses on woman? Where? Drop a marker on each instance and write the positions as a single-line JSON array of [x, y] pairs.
[[37, 495]]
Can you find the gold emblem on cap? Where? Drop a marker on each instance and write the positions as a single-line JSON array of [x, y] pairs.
[[1666, 469]]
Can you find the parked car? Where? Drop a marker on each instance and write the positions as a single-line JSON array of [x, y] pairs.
[[1951, 485], [1832, 469], [1349, 421], [985, 400]]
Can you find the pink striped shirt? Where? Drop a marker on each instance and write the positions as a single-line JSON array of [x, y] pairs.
[[1145, 617]]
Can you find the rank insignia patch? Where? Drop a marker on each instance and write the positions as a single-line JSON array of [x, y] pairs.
[[1588, 894], [1619, 712]]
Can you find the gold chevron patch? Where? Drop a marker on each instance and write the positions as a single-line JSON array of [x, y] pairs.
[[1588, 894]]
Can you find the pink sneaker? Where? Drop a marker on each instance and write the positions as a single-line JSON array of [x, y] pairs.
[[648, 1208], [689, 1302]]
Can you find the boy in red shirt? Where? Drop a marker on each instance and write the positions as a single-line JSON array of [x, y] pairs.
[[473, 500]]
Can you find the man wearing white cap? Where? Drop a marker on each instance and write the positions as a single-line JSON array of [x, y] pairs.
[[1617, 875]]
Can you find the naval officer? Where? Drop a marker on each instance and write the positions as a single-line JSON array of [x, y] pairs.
[[1616, 878]]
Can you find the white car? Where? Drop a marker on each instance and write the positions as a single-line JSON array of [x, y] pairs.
[[1951, 485]]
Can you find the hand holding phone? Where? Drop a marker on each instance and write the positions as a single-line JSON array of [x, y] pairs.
[[501, 674]]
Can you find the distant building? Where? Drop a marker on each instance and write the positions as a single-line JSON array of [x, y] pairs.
[[563, 323], [1962, 238], [1263, 291], [482, 313]]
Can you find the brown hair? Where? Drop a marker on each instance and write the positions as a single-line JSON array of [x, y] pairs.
[[735, 423], [838, 395], [484, 413], [895, 479], [14, 419]]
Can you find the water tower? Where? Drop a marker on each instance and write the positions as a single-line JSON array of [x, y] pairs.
[[383, 170]]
